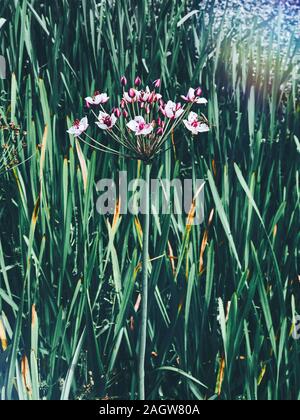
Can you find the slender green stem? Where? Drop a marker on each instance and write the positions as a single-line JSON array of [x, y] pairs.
[[145, 262], [192, 146]]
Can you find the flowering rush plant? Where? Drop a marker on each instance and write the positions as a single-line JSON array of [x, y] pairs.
[[141, 125], [143, 121]]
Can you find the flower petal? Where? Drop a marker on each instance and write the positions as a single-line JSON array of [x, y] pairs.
[[179, 113], [201, 101], [113, 120], [192, 117], [132, 125], [102, 115], [102, 126], [187, 124], [170, 109], [190, 127], [127, 98], [103, 98], [191, 94], [139, 120], [203, 128], [72, 131], [89, 100], [84, 123], [147, 130]]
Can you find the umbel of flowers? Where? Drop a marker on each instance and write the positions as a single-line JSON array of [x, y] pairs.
[[139, 128], [142, 122]]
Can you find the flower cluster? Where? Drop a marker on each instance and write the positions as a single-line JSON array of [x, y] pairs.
[[143, 121]]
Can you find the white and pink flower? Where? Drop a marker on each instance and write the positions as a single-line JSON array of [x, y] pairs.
[[97, 99], [195, 125], [172, 110], [157, 97], [193, 96], [79, 127], [106, 121], [132, 96], [140, 127], [145, 96]]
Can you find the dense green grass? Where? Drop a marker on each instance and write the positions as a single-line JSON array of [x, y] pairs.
[[223, 295]]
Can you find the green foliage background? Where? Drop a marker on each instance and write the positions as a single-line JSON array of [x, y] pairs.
[[69, 278]]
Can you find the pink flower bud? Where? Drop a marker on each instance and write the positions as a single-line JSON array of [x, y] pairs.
[[160, 131], [123, 104], [125, 114], [117, 113], [87, 104], [157, 83], [151, 98], [159, 122], [198, 92], [148, 109], [138, 82], [123, 81], [132, 93]]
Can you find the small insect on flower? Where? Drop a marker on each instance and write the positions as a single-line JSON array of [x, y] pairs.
[[193, 96], [106, 121], [79, 126], [172, 110], [97, 99], [140, 127], [195, 125]]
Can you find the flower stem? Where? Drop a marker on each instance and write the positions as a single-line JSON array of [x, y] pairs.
[[145, 263], [193, 162]]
